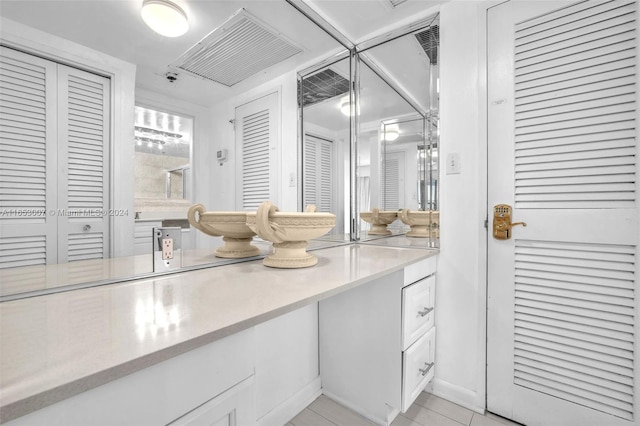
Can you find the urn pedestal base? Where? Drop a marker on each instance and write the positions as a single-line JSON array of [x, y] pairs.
[[290, 254], [237, 248]]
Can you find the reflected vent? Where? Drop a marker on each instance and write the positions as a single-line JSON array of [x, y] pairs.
[[321, 86], [429, 40], [240, 48]]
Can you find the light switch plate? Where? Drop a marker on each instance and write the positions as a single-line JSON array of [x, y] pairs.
[[453, 163], [167, 253]]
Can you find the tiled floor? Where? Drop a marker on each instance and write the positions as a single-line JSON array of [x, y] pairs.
[[428, 410]]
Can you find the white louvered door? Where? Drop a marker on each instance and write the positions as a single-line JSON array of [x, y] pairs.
[[392, 189], [54, 151], [319, 183], [28, 165], [563, 145], [257, 135], [83, 162]]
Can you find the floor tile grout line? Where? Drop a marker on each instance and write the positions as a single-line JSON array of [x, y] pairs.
[[444, 415], [311, 409]]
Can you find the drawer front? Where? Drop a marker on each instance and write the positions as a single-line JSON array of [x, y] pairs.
[[421, 269], [417, 310], [417, 367]]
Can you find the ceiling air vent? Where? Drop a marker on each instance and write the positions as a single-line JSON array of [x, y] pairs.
[[240, 48], [429, 39], [323, 85]]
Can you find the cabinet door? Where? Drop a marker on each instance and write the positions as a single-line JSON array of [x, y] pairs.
[[234, 407]]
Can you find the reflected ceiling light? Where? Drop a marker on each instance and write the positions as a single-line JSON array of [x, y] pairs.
[[345, 106], [164, 17], [391, 135]]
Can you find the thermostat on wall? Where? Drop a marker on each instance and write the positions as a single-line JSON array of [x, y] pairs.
[[221, 155]]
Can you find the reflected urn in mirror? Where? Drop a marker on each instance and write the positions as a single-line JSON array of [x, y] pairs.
[[231, 226], [424, 224], [379, 220], [419, 221], [290, 232]]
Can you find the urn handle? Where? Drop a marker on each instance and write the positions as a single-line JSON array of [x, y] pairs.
[[195, 220], [267, 230]]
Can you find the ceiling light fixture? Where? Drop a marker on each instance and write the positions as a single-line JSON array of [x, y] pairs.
[[164, 17], [345, 106]]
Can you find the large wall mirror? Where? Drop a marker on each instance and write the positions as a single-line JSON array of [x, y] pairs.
[[178, 168], [394, 122], [324, 100], [329, 136]]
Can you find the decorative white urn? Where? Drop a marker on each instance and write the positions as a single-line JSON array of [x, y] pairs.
[[231, 226], [379, 220], [290, 232], [419, 221]]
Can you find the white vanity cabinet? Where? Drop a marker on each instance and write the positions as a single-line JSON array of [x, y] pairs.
[[213, 383], [377, 342]]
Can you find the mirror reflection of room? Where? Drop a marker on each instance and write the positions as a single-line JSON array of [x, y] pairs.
[[151, 175], [162, 160], [325, 102]]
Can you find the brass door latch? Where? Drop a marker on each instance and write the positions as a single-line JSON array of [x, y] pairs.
[[502, 222]]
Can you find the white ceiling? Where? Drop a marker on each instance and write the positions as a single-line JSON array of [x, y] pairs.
[[116, 28]]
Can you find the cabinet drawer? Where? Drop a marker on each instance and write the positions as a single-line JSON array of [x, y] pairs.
[[417, 367], [417, 310]]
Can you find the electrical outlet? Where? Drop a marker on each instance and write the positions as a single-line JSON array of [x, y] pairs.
[[167, 254], [167, 248]]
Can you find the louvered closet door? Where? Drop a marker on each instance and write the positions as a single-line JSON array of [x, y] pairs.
[[563, 147], [392, 188], [28, 162], [318, 173], [257, 137], [83, 156]]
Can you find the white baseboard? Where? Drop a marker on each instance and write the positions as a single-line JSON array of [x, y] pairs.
[[456, 394], [292, 406], [344, 403]]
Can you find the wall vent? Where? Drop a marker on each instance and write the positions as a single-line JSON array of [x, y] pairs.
[[241, 47], [321, 86], [429, 40]]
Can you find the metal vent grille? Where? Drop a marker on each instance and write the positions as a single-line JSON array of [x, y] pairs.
[[240, 48], [429, 40], [321, 86]]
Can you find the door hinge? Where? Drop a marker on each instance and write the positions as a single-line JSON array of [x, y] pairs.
[[486, 224]]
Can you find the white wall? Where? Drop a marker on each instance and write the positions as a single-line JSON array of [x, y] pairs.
[[461, 291]]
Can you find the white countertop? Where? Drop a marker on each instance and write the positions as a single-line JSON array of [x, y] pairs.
[[59, 345]]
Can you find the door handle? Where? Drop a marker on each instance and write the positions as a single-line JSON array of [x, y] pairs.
[[502, 222]]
